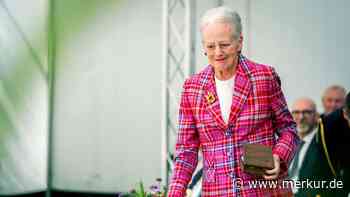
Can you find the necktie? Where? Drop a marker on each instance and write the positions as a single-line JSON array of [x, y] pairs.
[[293, 170]]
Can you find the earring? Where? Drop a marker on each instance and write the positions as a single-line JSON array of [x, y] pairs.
[[205, 53]]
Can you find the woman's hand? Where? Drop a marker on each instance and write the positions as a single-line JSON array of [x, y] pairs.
[[273, 173]]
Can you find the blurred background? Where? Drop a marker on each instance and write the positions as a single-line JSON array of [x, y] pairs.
[[85, 100]]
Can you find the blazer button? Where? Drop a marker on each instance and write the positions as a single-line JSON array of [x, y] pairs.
[[228, 132]]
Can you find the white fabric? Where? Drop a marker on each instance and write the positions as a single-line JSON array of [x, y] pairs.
[[224, 90]]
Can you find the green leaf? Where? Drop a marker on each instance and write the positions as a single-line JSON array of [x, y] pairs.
[[142, 189]]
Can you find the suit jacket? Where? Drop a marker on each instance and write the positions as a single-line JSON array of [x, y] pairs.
[[259, 114], [337, 135], [314, 168]]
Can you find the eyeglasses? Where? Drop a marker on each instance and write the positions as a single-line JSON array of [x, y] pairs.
[[210, 47], [304, 112]]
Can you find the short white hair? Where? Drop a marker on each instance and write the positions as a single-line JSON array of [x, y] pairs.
[[334, 87], [225, 15]]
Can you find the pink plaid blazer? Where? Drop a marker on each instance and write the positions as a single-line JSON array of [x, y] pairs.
[[259, 114]]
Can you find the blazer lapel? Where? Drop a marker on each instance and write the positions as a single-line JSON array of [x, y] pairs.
[[242, 89], [212, 100], [309, 158]]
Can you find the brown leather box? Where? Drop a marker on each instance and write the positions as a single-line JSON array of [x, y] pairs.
[[257, 158]]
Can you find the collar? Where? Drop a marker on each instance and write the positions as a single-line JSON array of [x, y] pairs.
[[308, 138]]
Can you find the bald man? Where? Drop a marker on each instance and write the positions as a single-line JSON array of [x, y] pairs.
[[309, 162], [306, 117]]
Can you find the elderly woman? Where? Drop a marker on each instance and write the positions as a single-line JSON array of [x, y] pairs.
[[232, 102]]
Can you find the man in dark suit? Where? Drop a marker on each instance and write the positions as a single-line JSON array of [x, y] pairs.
[[309, 162], [335, 137]]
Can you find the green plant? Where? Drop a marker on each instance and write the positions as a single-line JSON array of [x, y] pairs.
[[156, 190]]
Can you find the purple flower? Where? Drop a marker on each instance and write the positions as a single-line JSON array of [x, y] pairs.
[[154, 188], [120, 194]]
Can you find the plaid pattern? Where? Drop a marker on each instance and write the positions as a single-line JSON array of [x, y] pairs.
[[259, 114]]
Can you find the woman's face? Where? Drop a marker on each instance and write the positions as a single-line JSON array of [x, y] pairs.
[[221, 47]]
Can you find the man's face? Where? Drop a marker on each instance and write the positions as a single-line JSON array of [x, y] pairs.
[[332, 100], [304, 114]]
